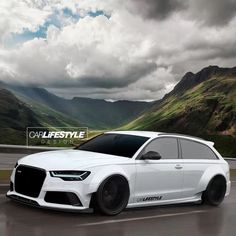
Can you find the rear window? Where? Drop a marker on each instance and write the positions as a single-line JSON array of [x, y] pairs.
[[195, 150], [114, 144]]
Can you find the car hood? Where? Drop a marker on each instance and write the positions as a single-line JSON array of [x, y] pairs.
[[70, 160]]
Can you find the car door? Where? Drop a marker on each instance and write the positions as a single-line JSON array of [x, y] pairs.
[[159, 179], [197, 157]]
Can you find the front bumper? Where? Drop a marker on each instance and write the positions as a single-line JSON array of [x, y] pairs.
[[52, 184]]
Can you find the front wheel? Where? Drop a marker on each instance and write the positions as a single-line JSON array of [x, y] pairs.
[[112, 195], [215, 191]]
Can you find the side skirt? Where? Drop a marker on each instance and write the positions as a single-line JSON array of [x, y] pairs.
[[196, 198]]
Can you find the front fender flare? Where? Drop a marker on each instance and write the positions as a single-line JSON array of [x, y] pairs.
[[105, 172]]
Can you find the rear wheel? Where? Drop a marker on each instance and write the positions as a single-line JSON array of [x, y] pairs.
[[215, 191], [112, 195]]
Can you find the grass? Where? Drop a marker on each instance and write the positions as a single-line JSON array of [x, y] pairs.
[[5, 176], [233, 174]]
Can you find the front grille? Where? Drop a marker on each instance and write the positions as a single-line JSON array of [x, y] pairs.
[[66, 198], [29, 180]]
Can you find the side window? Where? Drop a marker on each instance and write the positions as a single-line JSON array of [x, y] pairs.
[[166, 147], [194, 150]]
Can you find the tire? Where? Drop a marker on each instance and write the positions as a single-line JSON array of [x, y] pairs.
[[215, 191], [112, 196]]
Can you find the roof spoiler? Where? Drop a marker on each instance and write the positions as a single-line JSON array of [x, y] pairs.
[[210, 143]]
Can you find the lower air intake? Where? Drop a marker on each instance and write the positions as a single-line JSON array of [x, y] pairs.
[[66, 198]]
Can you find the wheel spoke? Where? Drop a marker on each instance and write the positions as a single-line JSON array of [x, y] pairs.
[[114, 193]]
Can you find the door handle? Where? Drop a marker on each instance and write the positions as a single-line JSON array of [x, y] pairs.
[[178, 167]]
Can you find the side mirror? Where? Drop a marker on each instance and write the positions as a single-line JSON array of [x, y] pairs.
[[151, 155]]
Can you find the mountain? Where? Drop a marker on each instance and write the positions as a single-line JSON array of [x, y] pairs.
[[39, 100], [99, 113], [23, 107], [94, 113], [201, 104], [15, 116], [190, 79]]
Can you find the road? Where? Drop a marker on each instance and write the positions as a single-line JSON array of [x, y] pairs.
[[20, 220], [8, 160]]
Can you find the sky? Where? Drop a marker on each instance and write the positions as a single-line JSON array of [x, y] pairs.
[[113, 49]]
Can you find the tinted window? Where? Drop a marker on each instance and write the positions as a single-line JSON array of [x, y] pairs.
[[115, 144], [194, 150], [166, 147]]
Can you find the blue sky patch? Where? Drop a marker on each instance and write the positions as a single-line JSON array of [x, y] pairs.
[[54, 19], [98, 13]]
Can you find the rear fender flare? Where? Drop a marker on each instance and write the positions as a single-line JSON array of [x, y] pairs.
[[208, 175]]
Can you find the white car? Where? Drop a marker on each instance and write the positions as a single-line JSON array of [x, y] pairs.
[[123, 169]]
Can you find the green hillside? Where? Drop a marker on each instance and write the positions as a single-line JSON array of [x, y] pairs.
[[205, 108], [23, 107], [15, 116], [48, 116]]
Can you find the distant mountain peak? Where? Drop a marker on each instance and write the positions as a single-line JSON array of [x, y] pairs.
[[191, 79], [188, 75]]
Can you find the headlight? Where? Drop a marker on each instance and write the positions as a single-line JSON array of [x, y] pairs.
[[70, 175]]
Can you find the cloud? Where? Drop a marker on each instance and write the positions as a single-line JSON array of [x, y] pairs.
[[148, 88], [108, 72], [213, 12], [210, 12], [95, 60], [156, 9], [113, 49], [17, 16]]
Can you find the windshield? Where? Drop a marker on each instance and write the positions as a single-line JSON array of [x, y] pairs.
[[114, 144]]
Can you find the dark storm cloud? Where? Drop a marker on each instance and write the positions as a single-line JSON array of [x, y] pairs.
[[132, 74], [158, 9], [213, 12], [211, 50], [208, 12]]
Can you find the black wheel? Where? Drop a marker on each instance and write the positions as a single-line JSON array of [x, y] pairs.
[[215, 191], [112, 195]]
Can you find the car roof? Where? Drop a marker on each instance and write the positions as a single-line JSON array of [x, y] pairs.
[[151, 134], [189, 137], [148, 134]]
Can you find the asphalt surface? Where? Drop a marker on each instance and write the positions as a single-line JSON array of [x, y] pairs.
[[17, 219], [8, 160]]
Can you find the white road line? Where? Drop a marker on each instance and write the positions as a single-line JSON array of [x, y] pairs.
[[140, 218]]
